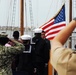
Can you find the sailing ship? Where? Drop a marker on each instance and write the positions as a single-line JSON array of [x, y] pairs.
[[22, 28]]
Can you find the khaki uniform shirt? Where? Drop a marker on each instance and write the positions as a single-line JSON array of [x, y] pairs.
[[64, 61], [6, 57]]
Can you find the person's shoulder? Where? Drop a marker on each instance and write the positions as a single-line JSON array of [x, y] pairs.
[[47, 40], [19, 41]]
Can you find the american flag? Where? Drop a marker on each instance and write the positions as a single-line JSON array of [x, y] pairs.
[[53, 26]]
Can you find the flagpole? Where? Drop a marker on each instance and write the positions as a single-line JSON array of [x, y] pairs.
[[22, 17], [70, 18], [70, 11]]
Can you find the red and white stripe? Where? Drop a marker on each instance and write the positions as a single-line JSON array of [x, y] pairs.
[[52, 29]]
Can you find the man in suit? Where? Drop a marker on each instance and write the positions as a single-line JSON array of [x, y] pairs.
[[47, 51]]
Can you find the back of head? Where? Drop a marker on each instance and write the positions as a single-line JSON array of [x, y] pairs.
[[3, 38], [16, 34], [37, 32]]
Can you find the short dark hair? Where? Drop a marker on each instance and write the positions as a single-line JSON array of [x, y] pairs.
[[43, 31], [16, 34], [3, 40]]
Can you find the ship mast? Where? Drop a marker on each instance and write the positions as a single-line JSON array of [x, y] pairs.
[[22, 17], [70, 18]]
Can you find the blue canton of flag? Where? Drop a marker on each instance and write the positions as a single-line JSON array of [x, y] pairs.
[[61, 16]]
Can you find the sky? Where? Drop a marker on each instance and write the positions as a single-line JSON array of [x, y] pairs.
[[42, 11]]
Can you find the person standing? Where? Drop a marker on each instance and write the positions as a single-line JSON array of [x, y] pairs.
[[16, 57], [16, 36], [38, 53], [47, 51], [7, 53], [63, 59], [25, 66]]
